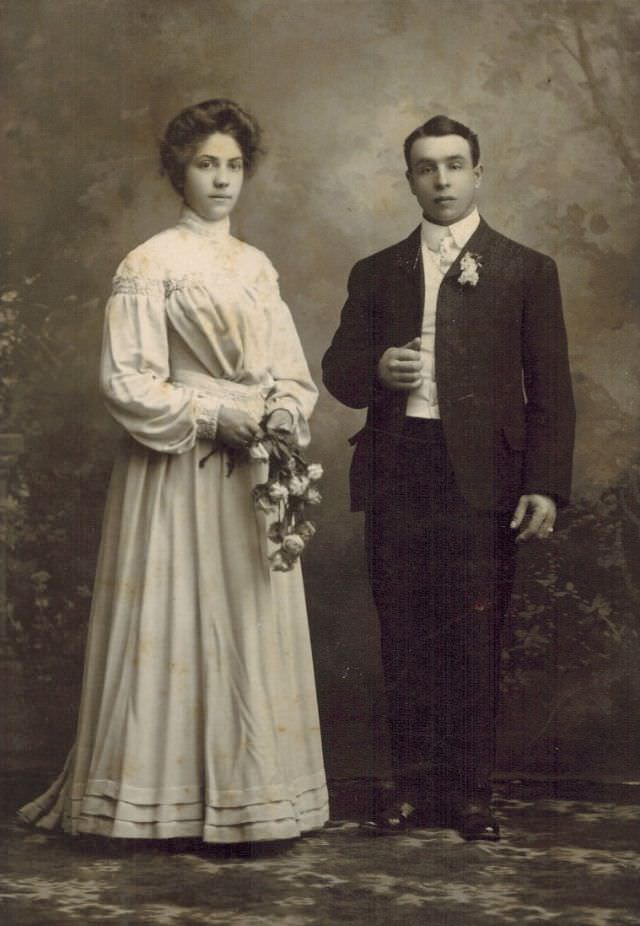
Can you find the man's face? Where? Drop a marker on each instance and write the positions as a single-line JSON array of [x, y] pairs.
[[442, 177]]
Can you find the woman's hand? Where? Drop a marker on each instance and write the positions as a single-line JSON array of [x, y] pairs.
[[236, 428], [280, 422]]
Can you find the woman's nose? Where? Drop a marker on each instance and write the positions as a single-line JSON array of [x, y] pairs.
[[221, 179]]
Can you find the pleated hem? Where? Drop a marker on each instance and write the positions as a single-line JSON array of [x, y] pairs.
[[207, 831], [102, 816]]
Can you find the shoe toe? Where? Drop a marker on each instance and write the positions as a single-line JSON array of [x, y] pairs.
[[479, 826], [393, 820]]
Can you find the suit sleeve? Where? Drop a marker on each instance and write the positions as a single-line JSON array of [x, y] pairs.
[[349, 365], [550, 410]]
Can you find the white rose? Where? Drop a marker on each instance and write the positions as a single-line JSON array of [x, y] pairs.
[[312, 496], [297, 485], [277, 492], [293, 544], [280, 563], [315, 471]]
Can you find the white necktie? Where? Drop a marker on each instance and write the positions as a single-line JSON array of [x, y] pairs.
[[447, 252], [440, 242]]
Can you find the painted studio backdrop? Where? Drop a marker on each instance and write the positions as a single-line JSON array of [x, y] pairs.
[[551, 88]]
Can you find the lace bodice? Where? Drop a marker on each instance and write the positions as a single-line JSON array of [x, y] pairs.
[[194, 311]]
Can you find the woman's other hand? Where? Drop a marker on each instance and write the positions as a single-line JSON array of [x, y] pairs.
[[280, 422], [236, 428]]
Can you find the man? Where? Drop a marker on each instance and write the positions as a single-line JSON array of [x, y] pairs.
[[454, 342]]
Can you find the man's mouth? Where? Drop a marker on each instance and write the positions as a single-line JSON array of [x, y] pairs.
[[445, 199]]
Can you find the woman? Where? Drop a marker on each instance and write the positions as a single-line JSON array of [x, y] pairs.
[[198, 715]]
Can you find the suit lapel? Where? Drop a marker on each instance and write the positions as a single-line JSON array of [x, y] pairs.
[[455, 298], [479, 244], [408, 287], [404, 290], [408, 256], [408, 263]]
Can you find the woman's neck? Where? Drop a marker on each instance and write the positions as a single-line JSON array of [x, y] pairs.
[[195, 223]]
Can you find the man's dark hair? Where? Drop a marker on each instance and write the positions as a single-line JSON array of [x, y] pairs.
[[438, 126]]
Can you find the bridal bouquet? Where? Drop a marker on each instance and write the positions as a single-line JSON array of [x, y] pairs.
[[291, 486]]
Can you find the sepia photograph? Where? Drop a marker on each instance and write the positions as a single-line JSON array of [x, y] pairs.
[[320, 462]]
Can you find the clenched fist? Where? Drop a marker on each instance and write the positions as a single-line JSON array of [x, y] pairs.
[[401, 367]]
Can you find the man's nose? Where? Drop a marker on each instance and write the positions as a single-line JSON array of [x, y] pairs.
[[442, 178]]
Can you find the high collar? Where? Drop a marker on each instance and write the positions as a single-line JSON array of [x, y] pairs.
[[214, 231], [460, 231], [408, 253]]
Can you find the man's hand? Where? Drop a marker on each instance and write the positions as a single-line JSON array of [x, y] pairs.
[[236, 428], [400, 367], [542, 517]]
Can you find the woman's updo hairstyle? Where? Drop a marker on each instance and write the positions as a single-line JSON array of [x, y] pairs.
[[190, 127]]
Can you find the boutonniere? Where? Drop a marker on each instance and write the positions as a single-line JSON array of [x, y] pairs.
[[470, 265]]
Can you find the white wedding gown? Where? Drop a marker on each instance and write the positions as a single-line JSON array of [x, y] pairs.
[[198, 715]]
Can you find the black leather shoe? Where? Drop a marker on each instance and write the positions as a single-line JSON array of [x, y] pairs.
[[476, 823], [393, 820]]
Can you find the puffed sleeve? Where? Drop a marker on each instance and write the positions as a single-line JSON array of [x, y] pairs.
[[134, 369], [293, 388]]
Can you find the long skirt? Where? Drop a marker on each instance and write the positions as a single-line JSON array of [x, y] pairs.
[[198, 715]]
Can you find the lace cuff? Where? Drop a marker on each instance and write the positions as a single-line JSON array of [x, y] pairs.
[[206, 411]]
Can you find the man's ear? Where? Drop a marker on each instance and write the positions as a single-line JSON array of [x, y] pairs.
[[478, 171], [409, 177]]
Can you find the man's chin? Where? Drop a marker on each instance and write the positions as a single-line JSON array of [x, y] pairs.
[[440, 216], [446, 213]]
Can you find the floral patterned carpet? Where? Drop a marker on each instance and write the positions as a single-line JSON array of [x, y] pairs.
[[566, 862]]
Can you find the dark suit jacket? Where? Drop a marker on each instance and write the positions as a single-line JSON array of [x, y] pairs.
[[502, 370]]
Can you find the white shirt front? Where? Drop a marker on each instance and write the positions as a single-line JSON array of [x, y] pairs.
[[423, 401]]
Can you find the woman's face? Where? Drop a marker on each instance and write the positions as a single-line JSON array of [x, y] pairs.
[[213, 177]]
